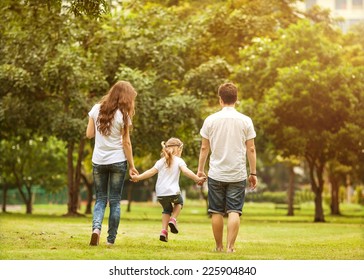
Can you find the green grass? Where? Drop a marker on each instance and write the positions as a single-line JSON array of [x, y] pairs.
[[265, 234]]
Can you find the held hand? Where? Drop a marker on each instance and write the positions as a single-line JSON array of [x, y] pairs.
[[201, 180], [133, 172], [134, 178], [253, 181]]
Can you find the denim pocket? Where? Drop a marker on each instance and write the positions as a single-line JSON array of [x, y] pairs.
[[96, 168]]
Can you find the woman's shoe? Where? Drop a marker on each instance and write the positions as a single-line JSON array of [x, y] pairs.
[[95, 237]]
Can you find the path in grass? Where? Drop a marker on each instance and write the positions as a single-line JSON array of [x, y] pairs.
[[265, 233]]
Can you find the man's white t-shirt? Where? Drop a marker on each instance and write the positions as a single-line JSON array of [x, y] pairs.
[[168, 177], [108, 149], [227, 132]]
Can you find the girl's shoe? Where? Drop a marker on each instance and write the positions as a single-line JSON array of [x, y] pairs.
[[173, 225], [163, 235], [95, 237]]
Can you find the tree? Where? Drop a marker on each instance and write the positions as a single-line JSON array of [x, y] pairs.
[[47, 71], [305, 97], [33, 162], [225, 28]]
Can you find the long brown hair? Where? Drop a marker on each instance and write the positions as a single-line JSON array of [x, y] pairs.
[[121, 96], [170, 148]]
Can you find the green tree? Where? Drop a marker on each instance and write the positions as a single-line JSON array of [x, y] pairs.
[[48, 74], [33, 162], [150, 44], [306, 93]]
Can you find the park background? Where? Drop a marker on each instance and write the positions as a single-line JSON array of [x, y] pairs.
[[300, 78]]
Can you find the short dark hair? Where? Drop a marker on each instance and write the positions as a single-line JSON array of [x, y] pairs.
[[228, 93]]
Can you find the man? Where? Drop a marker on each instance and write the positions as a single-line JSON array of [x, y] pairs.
[[230, 137]]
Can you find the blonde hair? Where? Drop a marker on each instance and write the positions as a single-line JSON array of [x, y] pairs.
[[121, 96], [170, 148]]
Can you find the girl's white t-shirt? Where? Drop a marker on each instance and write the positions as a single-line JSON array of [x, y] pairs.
[[168, 177], [108, 149]]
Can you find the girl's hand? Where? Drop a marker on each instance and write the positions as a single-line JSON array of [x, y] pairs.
[[134, 178], [201, 180]]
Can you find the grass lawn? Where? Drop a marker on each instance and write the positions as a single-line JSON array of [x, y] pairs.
[[265, 234]]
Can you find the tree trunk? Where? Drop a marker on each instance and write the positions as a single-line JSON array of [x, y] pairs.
[[5, 197], [130, 197], [77, 183], [319, 211], [29, 204], [335, 204], [27, 200], [74, 178], [72, 209], [89, 186], [291, 191], [317, 186], [349, 189]]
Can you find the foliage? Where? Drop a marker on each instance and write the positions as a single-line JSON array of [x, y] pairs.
[[57, 58], [304, 86], [33, 162]]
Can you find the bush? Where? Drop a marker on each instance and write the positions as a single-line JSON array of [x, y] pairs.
[[275, 197], [359, 195], [279, 197]]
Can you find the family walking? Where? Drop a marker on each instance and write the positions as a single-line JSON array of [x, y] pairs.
[[227, 136]]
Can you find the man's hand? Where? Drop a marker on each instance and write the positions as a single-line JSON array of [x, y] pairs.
[[201, 174], [253, 181]]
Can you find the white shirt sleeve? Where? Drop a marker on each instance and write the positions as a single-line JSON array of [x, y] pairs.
[[204, 130], [250, 131], [159, 164], [181, 162], [94, 112]]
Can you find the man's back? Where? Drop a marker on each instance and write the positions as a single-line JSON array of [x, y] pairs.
[[227, 132]]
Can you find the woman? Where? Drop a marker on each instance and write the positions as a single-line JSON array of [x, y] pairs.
[[109, 122]]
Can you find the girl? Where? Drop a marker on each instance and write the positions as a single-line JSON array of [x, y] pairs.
[[109, 123], [167, 186]]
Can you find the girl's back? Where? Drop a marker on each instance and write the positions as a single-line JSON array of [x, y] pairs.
[[168, 177]]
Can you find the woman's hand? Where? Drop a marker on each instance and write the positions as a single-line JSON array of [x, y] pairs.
[[133, 172]]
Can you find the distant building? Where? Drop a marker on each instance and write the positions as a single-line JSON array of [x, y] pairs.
[[352, 11]]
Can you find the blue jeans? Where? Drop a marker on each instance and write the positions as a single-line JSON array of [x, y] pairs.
[[225, 197], [108, 182]]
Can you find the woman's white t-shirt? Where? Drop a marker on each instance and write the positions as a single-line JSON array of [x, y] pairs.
[[108, 149], [168, 177]]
